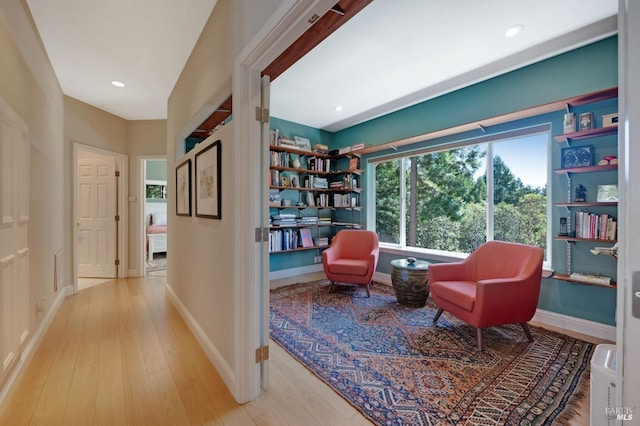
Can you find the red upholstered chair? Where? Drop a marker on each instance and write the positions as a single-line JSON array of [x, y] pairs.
[[499, 283], [352, 257]]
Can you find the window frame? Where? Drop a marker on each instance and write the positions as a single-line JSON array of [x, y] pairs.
[[487, 138]]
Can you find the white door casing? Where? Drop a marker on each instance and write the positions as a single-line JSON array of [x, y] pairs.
[[96, 210], [628, 344]]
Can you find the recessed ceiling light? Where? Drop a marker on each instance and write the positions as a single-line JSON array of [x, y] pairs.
[[513, 31], [117, 83], [338, 108]]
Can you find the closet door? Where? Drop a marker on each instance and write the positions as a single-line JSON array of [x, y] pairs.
[[14, 251]]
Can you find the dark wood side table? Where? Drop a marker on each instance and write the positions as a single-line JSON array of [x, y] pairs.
[[410, 282]]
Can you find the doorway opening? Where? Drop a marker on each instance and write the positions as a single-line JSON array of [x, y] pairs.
[[154, 215]]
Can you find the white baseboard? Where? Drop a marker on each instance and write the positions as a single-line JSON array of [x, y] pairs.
[[292, 272], [218, 361], [576, 325], [32, 346]]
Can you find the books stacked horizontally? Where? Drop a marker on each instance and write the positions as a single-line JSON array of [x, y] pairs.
[[319, 182], [307, 220], [337, 185], [324, 221], [593, 226], [588, 278], [283, 219], [321, 241], [321, 148]]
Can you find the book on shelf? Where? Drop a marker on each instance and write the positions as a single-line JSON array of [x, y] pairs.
[[274, 136], [287, 142], [353, 164], [357, 146], [594, 226], [274, 178], [320, 148], [589, 278], [322, 241], [305, 237]]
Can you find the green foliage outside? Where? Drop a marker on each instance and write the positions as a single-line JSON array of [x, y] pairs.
[[450, 209]]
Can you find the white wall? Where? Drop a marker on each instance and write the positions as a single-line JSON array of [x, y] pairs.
[[29, 86]]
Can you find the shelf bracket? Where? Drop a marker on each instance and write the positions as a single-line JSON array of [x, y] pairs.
[[484, 129], [567, 106]]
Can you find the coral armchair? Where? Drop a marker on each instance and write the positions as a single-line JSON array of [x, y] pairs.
[[352, 257], [499, 283]]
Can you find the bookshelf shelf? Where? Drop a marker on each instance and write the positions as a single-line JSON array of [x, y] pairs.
[[328, 185], [580, 220], [586, 134], [567, 278]]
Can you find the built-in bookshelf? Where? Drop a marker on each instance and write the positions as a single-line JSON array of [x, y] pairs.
[[589, 220], [312, 194]]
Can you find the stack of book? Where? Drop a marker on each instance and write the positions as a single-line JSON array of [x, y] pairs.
[[283, 219], [595, 279], [307, 220], [321, 148], [320, 183], [321, 241], [325, 221], [337, 185]]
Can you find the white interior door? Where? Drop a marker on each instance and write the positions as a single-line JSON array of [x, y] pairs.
[[97, 249]]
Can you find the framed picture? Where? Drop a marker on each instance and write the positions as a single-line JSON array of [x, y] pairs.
[[208, 184], [577, 156], [586, 121], [303, 143], [607, 193], [183, 189]]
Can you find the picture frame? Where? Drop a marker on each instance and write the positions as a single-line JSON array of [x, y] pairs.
[[303, 144], [183, 188], [208, 181], [607, 194], [284, 181], [585, 121], [577, 156]]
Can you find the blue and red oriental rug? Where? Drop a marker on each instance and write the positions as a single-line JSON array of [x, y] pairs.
[[398, 368]]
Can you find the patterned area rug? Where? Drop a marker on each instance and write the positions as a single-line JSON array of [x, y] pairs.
[[398, 368]]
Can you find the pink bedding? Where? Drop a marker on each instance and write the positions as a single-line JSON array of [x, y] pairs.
[[156, 229]]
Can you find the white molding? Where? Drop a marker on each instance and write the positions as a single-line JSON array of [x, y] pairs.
[[216, 358], [577, 325], [30, 349]]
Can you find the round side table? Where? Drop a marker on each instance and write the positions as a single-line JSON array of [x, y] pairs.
[[410, 282]]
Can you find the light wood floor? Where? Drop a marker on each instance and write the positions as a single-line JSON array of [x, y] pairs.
[[119, 353]]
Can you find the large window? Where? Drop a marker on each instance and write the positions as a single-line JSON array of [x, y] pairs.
[[447, 199]]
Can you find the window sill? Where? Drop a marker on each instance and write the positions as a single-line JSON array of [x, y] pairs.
[[439, 255]]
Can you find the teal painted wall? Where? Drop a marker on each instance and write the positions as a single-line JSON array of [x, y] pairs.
[[580, 71], [584, 70], [157, 170]]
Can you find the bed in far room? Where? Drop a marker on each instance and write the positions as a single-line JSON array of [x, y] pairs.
[[156, 232]]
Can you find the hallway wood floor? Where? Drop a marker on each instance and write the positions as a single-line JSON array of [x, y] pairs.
[[120, 354]]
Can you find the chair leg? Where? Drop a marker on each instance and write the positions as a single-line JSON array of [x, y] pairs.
[[435, 319], [367, 287], [527, 331], [331, 286], [479, 334]]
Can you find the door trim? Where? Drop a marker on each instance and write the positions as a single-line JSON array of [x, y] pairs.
[[141, 268], [122, 210]]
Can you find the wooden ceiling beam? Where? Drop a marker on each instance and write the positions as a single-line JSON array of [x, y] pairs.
[[323, 28], [319, 31]]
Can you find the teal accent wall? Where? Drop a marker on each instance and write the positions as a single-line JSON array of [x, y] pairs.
[[584, 70], [587, 69], [157, 170], [290, 129]]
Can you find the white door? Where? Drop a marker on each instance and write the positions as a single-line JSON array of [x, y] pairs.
[[96, 215]]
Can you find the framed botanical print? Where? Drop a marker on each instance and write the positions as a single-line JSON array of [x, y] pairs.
[[183, 189], [207, 182]]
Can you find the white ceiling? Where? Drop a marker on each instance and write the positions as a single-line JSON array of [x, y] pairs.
[[142, 43], [392, 54]]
